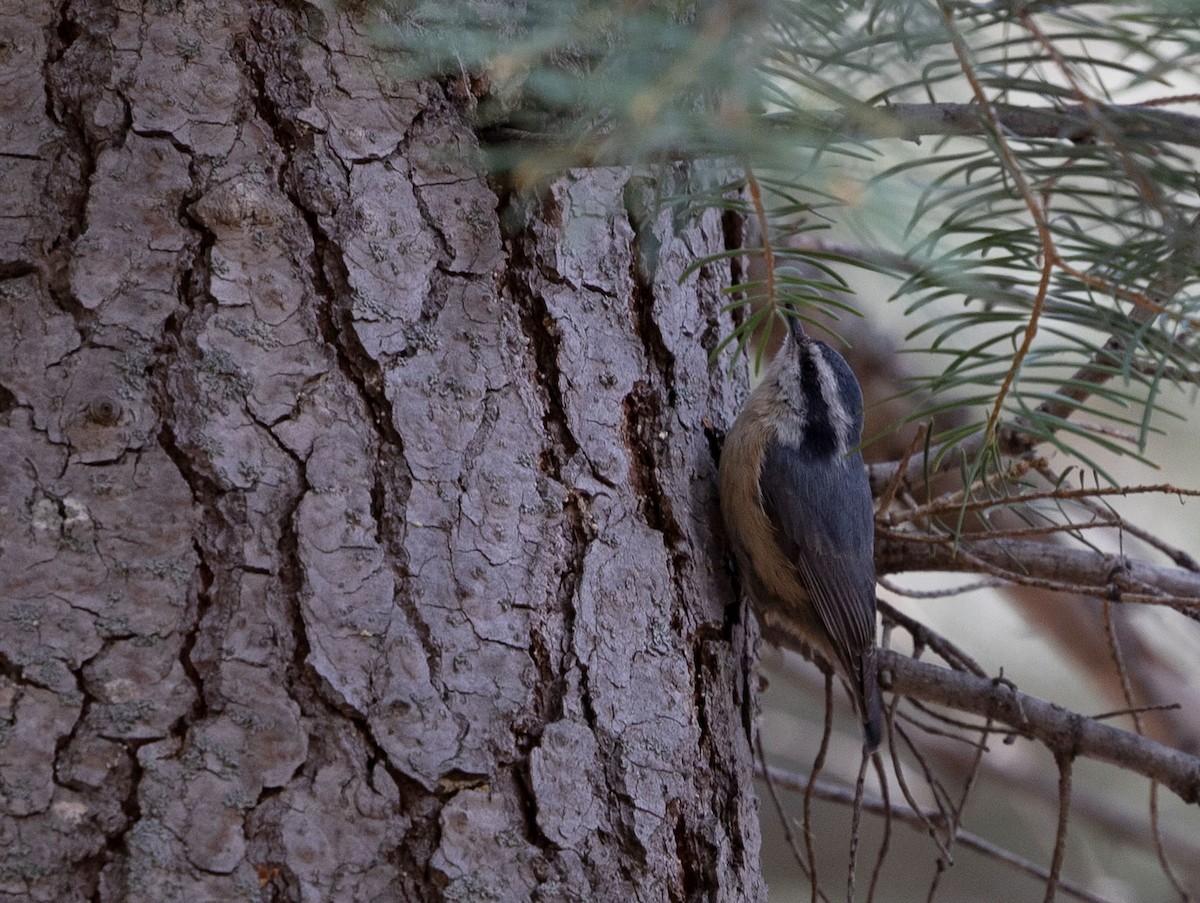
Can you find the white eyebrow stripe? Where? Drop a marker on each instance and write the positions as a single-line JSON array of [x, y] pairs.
[[839, 417]]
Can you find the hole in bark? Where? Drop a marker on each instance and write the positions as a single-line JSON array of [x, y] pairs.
[[8, 401], [68, 32]]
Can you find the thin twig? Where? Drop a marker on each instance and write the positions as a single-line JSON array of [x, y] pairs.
[[1114, 647], [818, 764], [1156, 832], [889, 493], [1082, 494], [1185, 238], [855, 824], [1166, 101], [1137, 710], [938, 870], [998, 484], [1103, 128], [784, 821], [837, 793], [1177, 555], [1012, 165], [890, 585], [927, 636], [1090, 803], [963, 536], [898, 731], [1064, 820], [932, 731], [972, 776], [886, 803], [1156, 369], [768, 252]]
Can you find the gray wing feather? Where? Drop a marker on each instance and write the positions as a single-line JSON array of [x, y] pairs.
[[821, 510]]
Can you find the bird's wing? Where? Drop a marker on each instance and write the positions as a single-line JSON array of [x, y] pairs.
[[821, 511]]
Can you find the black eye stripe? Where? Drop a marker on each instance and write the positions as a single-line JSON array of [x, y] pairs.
[[819, 433]]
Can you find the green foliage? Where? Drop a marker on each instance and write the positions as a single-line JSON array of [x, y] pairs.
[[1053, 234], [582, 82]]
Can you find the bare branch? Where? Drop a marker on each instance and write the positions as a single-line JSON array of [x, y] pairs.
[[1062, 731], [912, 121], [1056, 567]]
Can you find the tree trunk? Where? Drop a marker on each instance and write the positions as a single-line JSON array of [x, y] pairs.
[[357, 539]]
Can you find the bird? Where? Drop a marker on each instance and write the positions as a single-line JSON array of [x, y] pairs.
[[797, 508]]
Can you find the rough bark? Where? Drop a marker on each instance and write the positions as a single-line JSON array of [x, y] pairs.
[[356, 543]]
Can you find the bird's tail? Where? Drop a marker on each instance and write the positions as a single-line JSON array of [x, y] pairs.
[[870, 702]]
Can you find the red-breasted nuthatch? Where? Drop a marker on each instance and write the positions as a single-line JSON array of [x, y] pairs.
[[797, 507]]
